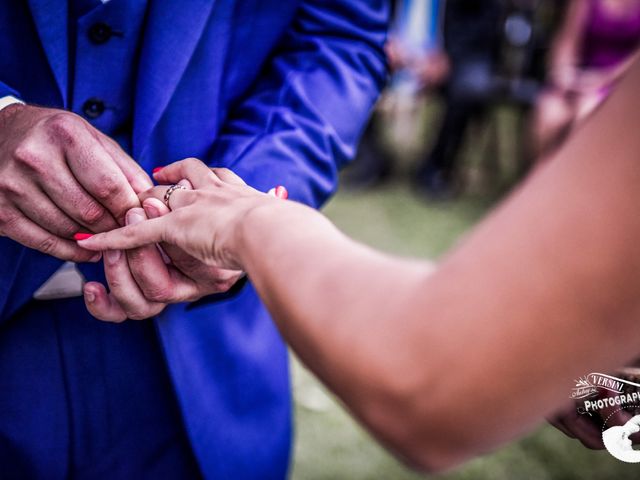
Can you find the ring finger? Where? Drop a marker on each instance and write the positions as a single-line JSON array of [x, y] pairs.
[[76, 202], [38, 207], [178, 198]]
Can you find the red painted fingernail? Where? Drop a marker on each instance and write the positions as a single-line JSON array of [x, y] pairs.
[[82, 236], [157, 169], [281, 192]]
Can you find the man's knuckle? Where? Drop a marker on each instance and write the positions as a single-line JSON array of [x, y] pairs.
[[8, 220], [92, 213], [106, 188], [116, 285], [67, 229], [48, 245], [158, 293], [29, 155], [12, 190], [63, 127]]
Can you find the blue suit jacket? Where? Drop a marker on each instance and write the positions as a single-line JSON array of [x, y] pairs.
[[277, 90]]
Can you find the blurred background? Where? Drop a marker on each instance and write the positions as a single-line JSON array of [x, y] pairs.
[[480, 92]]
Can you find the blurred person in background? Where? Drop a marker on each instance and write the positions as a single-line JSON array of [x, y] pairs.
[[418, 65], [446, 46], [595, 45], [472, 38], [500, 60], [415, 46]]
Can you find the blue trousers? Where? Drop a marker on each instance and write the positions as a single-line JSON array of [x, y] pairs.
[[84, 399]]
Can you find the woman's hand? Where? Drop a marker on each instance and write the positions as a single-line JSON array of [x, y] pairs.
[[204, 222]]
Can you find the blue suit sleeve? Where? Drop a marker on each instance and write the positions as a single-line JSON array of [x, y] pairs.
[[6, 90], [303, 118]]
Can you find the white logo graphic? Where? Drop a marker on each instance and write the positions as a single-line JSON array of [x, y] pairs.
[[603, 398], [618, 444]]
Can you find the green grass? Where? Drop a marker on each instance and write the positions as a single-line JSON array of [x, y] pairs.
[[330, 445]]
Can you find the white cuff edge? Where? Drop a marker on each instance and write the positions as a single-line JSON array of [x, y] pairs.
[[9, 100]]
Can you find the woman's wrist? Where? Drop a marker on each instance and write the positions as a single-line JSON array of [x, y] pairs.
[[253, 228]]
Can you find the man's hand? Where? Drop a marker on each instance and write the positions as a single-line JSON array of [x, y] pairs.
[[58, 176], [196, 267], [583, 427], [142, 283]]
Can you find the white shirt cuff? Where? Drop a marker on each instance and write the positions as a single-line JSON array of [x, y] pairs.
[[9, 100]]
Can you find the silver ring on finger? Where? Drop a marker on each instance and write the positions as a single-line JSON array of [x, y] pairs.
[[169, 192]]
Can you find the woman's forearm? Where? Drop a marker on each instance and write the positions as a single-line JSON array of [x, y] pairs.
[[342, 308], [448, 365], [327, 292]]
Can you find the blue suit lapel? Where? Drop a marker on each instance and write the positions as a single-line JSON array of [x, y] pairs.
[[51, 18], [172, 33]]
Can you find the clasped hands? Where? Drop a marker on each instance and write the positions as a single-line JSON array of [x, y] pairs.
[[143, 280], [60, 176]]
